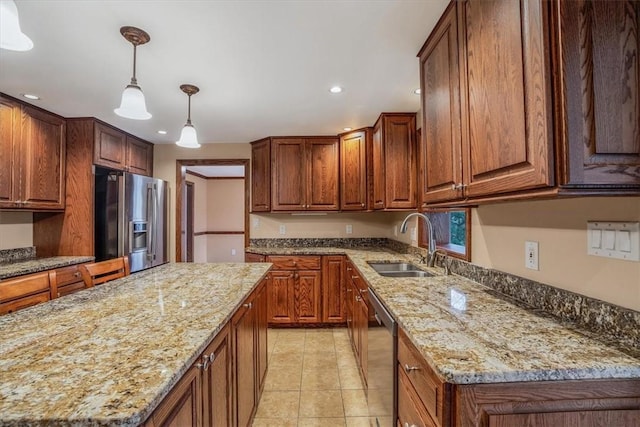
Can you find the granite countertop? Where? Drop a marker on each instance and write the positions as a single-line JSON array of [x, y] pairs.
[[469, 334], [108, 355], [34, 265]]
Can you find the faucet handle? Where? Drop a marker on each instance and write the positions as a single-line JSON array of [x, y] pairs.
[[423, 258]]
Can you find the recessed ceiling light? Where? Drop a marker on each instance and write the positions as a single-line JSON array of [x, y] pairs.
[[347, 129], [335, 89], [30, 96], [162, 132], [417, 91]]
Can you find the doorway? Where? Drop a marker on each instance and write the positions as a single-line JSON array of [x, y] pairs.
[[189, 218], [183, 233]]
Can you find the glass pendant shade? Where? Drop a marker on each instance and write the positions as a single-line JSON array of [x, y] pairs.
[[11, 36], [188, 137], [132, 105]]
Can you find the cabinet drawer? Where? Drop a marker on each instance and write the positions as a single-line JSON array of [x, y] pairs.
[[68, 275], [411, 411], [20, 303], [69, 289], [425, 382], [295, 262], [24, 285]]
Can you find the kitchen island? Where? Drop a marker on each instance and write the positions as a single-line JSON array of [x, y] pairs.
[[110, 354]]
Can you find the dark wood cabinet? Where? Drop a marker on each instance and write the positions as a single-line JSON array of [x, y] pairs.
[[139, 156], [251, 257], [281, 297], [304, 174], [182, 406], [262, 322], [33, 144], [357, 315], [65, 281], [261, 175], [117, 150], [598, 95], [394, 161], [216, 382], [355, 155], [333, 290]]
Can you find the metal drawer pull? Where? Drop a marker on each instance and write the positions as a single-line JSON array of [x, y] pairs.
[[408, 368], [409, 425], [247, 305], [77, 274]]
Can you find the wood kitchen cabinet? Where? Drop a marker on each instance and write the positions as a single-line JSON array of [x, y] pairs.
[[357, 316], [217, 381], [394, 160], [261, 175], [598, 95], [333, 293], [183, 405], [304, 174], [117, 150], [355, 167], [32, 165], [294, 292]]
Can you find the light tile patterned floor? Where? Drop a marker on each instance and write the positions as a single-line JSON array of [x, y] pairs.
[[312, 381]]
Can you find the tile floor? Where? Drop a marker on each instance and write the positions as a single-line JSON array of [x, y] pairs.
[[312, 380]]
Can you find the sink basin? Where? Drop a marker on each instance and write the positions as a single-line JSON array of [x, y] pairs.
[[393, 266], [409, 273]]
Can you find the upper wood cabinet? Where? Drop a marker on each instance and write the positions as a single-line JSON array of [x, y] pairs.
[[117, 150], [501, 86], [304, 174], [598, 94], [355, 156], [394, 161], [261, 175], [32, 162]]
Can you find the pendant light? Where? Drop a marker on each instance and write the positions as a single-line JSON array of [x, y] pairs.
[[132, 105], [188, 136], [11, 36]]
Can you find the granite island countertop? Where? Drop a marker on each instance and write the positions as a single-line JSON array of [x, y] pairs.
[[470, 335], [35, 265], [109, 354]]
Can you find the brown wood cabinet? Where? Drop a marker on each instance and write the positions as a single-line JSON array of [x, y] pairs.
[[598, 95], [217, 382], [251, 257], [261, 175], [357, 314], [66, 280], [304, 174], [117, 150], [333, 292], [294, 292], [139, 156], [394, 161], [183, 405], [355, 165], [33, 144]]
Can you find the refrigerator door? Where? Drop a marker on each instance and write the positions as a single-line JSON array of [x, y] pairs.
[[160, 223]]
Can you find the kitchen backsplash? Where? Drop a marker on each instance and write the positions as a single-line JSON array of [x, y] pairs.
[[10, 255]]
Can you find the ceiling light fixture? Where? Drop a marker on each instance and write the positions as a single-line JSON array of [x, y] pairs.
[[335, 89], [188, 136], [162, 132], [132, 105], [30, 96], [347, 129], [417, 91], [11, 36]]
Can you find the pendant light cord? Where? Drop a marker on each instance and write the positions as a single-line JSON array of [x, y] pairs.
[[189, 112], [133, 79]]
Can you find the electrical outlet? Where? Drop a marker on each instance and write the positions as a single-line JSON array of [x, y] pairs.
[[414, 234], [283, 229], [256, 222], [531, 255], [349, 229], [233, 251]]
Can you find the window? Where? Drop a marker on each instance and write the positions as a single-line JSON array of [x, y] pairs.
[[452, 228]]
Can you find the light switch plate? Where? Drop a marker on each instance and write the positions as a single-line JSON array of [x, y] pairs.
[[531, 255], [613, 239], [349, 229], [283, 229]]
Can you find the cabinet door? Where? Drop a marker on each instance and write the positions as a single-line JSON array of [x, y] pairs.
[[289, 175], [362, 314], [377, 164], [333, 291], [245, 372], [599, 87], [260, 304], [261, 176], [109, 147], [9, 140], [182, 406], [441, 145], [399, 141], [43, 149], [216, 384], [139, 156], [280, 296], [322, 174], [349, 301], [506, 117], [619, 418], [353, 171], [307, 296]]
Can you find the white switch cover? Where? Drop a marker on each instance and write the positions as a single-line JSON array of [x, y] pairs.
[[531, 255], [283, 229], [349, 229], [233, 251], [611, 239]]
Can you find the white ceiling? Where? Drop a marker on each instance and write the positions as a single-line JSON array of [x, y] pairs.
[[218, 171], [263, 67]]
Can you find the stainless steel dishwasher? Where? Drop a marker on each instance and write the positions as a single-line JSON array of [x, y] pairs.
[[382, 377]]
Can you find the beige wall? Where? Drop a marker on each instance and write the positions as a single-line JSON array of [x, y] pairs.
[[225, 248], [164, 167], [225, 204], [16, 230], [559, 226]]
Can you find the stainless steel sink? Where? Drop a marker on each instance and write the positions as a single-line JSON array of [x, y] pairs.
[[410, 273], [398, 269]]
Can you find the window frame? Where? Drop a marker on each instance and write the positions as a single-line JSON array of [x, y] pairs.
[[449, 248]]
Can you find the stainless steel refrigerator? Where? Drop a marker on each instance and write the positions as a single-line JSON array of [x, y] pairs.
[[130, 218]]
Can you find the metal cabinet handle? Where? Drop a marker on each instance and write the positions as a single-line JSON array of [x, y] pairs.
[[248, 305], [362, 204], [205, 363], [409, 425], [349, 269], [77, 274], [408, 368], [458, 186], [354, 277], [358, 298]]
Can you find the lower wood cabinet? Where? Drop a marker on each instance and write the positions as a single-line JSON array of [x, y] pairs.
[[216, 382], [183, 405], [333, 292], [357, 316]]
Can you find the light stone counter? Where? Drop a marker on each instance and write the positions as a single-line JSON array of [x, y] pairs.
[[470, 335], [108, 355], [34, 265]]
